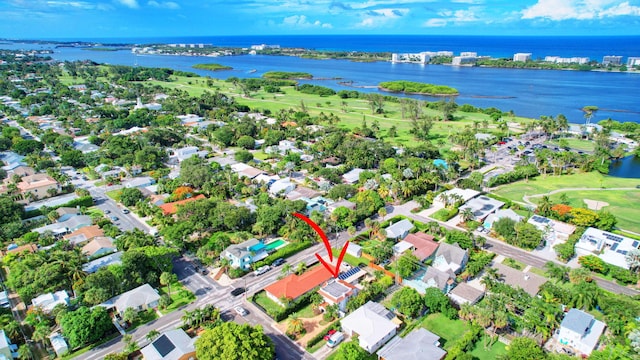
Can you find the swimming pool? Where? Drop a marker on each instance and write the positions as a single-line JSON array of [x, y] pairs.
[[275, 244]]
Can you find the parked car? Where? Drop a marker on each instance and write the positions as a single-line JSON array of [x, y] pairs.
[[335, 339], [107, 211], [278, 262], [240, 311], [331, 332], [115, 218], [238, 291], [501, 143], [261, 270], [125, 211]]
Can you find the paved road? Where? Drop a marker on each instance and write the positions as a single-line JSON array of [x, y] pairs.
[[509, 251]]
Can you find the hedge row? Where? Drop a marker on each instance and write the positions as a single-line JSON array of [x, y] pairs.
[[320, 336], [284, 252], [595, 264], [293, 307], [464, 344], [445, 214], [84, 201]]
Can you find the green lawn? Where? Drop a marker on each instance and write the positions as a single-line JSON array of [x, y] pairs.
[[269, 305], [538, 271], [83, 350], [578, 144], [306, 312], [514, 264], [448, 330], [180, 296], [350, 111], [492, 353], [143, 318], [350, 259], [114, 194]]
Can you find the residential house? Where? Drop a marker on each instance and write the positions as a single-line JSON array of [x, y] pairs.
[[432, 277], [354, 250], [64, 227], [189, 151], [293, 286], [11, 160], [481, 206], [22, 171], [581, 331], [59, 344], [465, 294], [38, 186], [373, 324], [99, 246], [529, 282], [172, 207], [318, 204], [281, 187], [302, 192], [337, 292], [140, 182], [244, 170], [341, 203], [7, 349], [66, 213], [450, 257], [554, 231], [97, 264], [419, 344], [171, 345], [85, 146], [20, 249], [401, 247], [400, 229], [84, 234], [423, 245], [244, 254], [612, 248], [353, 176], [141, 298], [50, 300], [501, 214], [451, 196]]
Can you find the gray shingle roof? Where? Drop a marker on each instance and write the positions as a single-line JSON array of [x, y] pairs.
[[577, 321]]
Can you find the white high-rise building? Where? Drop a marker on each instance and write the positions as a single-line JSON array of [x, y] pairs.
[[524, 57]]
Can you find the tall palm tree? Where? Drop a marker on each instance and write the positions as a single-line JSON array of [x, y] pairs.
[[557, 272], [286, 269], [295, 325], [467, 214]]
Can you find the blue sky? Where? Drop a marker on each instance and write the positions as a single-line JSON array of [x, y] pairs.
[[75, 19]]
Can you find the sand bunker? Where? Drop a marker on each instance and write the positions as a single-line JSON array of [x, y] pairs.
[[595, 205]]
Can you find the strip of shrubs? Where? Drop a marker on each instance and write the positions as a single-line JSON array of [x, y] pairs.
[[519, 173], [284, 252], [464, 344], [597, 265], [445, 214], [320, 336], [293, 306]]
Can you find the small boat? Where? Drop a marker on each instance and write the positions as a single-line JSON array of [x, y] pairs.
[[251, 71]]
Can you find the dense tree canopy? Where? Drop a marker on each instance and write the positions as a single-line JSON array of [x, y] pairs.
[[231, 341]]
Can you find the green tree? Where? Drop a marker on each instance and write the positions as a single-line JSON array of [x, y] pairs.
[[408, 301], [231, 341], [246, 142], [130, 196], [85, 326], [168, 278], [295, 326], [524, 348], [152, 335], [352, 351], [436, 301], [130, 315], [243, 156], [73, 158], [407, 264]]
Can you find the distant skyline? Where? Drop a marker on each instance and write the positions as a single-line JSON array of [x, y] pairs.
[[85, 19]]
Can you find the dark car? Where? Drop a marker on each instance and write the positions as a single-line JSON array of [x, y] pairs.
[[278, 262], [238, 291]]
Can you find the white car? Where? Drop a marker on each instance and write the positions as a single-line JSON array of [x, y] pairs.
[[240, 311], [261, 270]]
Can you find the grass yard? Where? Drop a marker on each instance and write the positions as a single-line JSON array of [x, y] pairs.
[[180, 296], [350, 259], [306, 312], [513, 264], [496, 349], [269, 305], [448, 330], [144, 317], [538, 271], [114, 194], [578, 144], [350, 111]]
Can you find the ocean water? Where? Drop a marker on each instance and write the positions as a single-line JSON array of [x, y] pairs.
[[529, 93]]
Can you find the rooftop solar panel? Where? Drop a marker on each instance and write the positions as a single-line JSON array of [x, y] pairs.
[[349, 273], [163, 345]]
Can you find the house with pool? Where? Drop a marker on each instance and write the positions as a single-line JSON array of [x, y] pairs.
[[246, 253]]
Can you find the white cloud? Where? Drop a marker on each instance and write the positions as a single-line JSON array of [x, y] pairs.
[[390, 12], [467, 1], [164, 5], [301, 21], [578, 9], [435, 23], [129, 3], [367, 22], [72, 4]]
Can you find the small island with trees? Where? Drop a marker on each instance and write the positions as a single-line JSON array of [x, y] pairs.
[[212, 67], [286, 75], [412, 87]]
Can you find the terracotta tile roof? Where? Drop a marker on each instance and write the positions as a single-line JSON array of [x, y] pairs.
[[172, 207], [89, 232], [35, 181], [424, 244], [29, 247], [293, 286]]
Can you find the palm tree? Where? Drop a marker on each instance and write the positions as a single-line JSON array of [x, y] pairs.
[[295, 325], [544, 207], [330, 312], [557, 272], [467, 214], [151, 335], [286, 269], [490, 278], [166, 279]]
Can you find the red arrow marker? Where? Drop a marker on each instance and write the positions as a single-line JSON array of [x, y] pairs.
[[334, 271]]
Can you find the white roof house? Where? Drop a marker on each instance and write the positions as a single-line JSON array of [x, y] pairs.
[[400, 229], [553, 230], [49, 300], [482, 206], [95, 265], [581, 331], [352, 176], [187, 152], [141, 298], [419, 344], [401, 247], [613, 247], [282, 186], [500, 214], [171, 345], [465, 194], [59, 344], [372, 323], [354, 249]]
